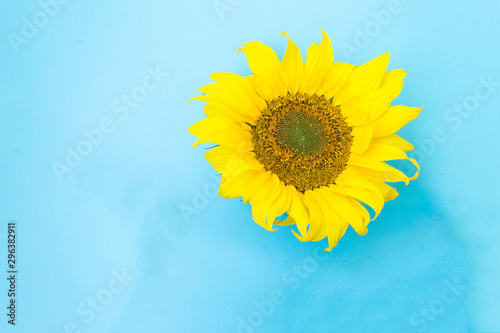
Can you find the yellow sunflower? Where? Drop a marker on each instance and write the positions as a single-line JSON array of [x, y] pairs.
[[307, 138]]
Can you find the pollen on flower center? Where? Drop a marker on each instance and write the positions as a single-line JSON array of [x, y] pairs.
[[303, 139], [303, 133]]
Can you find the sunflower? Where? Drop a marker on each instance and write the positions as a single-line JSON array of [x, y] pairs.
[[309, 139]]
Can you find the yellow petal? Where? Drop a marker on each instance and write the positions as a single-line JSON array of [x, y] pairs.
[[353, 183], [242, 84], [353, 110], [381, 171], [318, 65], [361, 138], [217, 108], [359, 110], [392, 77], [261, 58], [262, 187], [394, 119], [379, 152], [334, 224], [367, 196], [348, 211], [236, 186], [367, 77], [288, 221], [235, 97], [388, 192], [292, 67], [317, 227], [219, 130], [365, 215], [394, 140], [266, 88], [363, 80], [260, 210], [298, 210], [280, 206], [322, 232], [336, 79], [265, 64], [265, 211], [229, 160], [334, 235], [379, 101]]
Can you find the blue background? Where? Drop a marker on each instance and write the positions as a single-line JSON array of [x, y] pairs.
[[429, 263]]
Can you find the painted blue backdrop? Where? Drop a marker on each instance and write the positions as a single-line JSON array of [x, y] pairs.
[[97, 172]]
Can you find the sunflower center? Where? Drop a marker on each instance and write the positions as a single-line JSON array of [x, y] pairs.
[[303, 139], [302, 133]]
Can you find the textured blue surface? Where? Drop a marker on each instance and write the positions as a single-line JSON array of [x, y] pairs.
[[103, 246]]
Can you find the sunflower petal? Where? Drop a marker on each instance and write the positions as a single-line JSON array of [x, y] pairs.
[[336, 79], [367, 77], [379, 152], [334, 224], [355, 115], [265, 64], [280, 205], [392, 77], [322, 231], [379, 101], [359, 110], [263, 186], [388, 192], [381, 171], [265, 88], [394, 140], [236, 186], [235, 97], [219, 130], [394, 119], [316, 230], [261, 58], [361, 138], [363, 80], [298, 210], [335, 234], [369, 197], [267, 210], [318, 65], [347, 210], [288, 221], [353, 183], [292, 67], [241, 83], [225, 159], [216, 108]]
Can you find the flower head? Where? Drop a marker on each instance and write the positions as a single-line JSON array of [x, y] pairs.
[[309, 139]]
